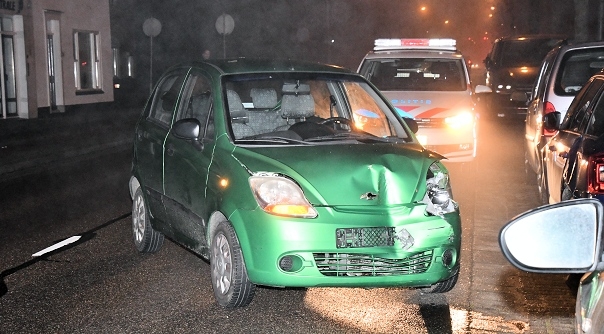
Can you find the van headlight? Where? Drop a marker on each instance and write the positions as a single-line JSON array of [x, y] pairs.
[[280, 196], [438, 198], [460, 120]]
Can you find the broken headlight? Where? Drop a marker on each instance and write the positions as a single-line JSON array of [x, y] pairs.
[[438, 198]]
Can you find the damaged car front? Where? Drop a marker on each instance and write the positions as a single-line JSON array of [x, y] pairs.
[[339, 193]]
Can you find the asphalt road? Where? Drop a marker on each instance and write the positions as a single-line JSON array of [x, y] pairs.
[[100, 284]]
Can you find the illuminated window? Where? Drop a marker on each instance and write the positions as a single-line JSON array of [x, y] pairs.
[[87, 61]]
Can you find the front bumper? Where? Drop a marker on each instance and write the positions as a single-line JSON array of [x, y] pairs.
[[501, 105], [350, 247]]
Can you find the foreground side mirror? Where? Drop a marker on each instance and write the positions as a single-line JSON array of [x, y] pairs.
[[551, 121], [559, 238]]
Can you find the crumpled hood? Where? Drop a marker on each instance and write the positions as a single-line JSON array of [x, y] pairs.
[[351, 174], [422, 105]]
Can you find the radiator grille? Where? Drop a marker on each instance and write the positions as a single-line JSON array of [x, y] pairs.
[[349, 264]]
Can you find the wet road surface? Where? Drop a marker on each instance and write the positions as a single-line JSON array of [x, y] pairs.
[[101, 284]]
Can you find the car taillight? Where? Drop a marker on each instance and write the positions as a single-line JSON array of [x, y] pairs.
[[595, 175], [548, 108]]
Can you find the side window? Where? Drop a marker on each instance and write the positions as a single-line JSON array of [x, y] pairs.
[[87, 61], [575, 118], [165, 98], [543, 77], [596, 122], [197, 103], [576, 68]]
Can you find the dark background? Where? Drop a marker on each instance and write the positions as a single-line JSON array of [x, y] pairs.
[[337, 32]]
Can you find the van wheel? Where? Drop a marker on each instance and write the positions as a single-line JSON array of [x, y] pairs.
[[232, 287], [146, 239]]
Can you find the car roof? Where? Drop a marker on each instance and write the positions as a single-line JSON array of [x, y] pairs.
[[583, 45], [251, 65], [414, 53], [531, 37]]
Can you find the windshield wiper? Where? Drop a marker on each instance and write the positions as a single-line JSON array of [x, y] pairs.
[[271, 139], [364, 138]]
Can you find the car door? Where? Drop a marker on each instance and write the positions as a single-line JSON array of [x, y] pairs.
[[533, 125], [151, 132], [563, 147], [187, 163], [582, 176]]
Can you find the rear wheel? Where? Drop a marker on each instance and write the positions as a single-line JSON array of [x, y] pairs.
[[146, 239], [232, 287], [542, 184]]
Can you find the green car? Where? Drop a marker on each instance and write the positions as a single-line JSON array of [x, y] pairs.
[[290, 174]]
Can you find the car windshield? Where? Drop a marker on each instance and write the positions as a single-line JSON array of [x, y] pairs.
[[416, 74], [525, 52], [308, 109]]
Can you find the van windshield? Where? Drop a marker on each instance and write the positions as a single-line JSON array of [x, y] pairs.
[[416, 74], [525, 52]]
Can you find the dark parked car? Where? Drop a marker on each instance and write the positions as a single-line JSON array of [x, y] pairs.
[[511, 69], [290, 174], [574, 157], [562, 75], [563, 238]]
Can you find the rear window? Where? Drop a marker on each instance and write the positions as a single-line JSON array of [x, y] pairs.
[[416, 74], [576, 68]]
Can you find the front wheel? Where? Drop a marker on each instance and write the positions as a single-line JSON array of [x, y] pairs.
[[232, 287], [146, 239], [444, 286]]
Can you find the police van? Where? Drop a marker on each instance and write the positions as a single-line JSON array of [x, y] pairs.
[[428, 80]]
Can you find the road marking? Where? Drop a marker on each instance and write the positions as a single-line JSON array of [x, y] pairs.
[[58, 245]]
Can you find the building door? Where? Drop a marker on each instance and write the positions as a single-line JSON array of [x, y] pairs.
[[8, 84], [53, 61], [52, 91]]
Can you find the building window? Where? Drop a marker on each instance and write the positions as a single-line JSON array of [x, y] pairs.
[[87, 61]]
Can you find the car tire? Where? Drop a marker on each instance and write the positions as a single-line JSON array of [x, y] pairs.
[[528, 170], [567, 194], [146, 239], [444, 286], [542, 185], [231, 284]]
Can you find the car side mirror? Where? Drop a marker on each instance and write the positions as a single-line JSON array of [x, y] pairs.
[[412, 124], [482, 89], [558, 238], [519, 96], [188, 129], [551, 121]]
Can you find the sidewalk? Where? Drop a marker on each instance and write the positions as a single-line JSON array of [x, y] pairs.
[[29, 144]]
